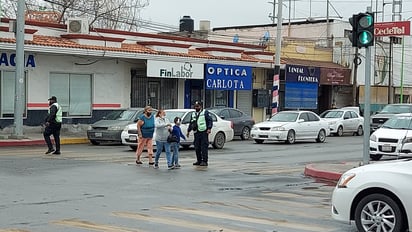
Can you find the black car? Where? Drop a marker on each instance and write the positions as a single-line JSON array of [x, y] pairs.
[[242, 122]]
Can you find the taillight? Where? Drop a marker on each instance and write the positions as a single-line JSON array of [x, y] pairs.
[[231, 124]]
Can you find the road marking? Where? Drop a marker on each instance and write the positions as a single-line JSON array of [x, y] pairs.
[[13, 230], [176, 222], [93, 226]]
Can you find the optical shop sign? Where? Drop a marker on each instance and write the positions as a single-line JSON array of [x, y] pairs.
[[7, 59], [185, 70], [228, 77]]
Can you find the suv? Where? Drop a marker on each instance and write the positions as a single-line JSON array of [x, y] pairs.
[[387, 112]]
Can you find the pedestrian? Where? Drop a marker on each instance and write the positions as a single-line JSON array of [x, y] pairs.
[[53, 124], [145, 130], [201, 123], [163, 127], [177, 132]]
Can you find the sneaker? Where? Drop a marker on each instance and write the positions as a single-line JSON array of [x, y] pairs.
[[56, 153], [138, 162], [156, 166], [170, 167], [177, 166], [203, 164], [196, 163], [49, 151]]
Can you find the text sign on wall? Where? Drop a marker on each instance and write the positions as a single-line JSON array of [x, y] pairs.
[[184, 70], [228, 77], [7, 59], [301, 87], [392, 28]]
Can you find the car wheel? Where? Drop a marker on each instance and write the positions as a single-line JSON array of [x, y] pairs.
[[378, 212], [339, 132], [259, 141], [359, 132], [94, 142], [375, 157], [219, 140], [290, 139], [134, 148], [321, 136], [245, 133]]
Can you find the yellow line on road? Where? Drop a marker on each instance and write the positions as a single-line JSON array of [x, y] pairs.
[[93, 226], [176, 222], [13, 230]]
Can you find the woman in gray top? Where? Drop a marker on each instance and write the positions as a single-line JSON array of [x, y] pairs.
[[163, 128]]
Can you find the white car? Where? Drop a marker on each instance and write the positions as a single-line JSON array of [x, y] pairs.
[[343, 121], [222, 130], [377, 197], [290, 126], [393, 138]]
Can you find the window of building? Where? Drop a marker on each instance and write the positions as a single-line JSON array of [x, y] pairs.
[[7, 93], [73, 93]]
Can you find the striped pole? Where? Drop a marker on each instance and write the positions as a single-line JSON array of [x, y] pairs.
[[275, 93]]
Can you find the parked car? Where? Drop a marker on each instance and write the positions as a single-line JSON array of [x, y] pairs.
[[387, 112], [343, 121], [393, 138], [376, 197], [222, 130], [290, 126], [110, 127], [242, 122]]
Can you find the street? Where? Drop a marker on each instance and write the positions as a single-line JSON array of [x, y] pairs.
[[247, 187]]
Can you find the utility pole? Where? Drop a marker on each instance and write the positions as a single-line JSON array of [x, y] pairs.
[[19, 78], [367, 108], [276, 83], [355, 77]]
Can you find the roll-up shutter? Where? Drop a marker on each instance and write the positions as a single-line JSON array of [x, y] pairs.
[[244, 101]]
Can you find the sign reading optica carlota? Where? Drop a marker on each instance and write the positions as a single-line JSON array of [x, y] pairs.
[[7, 60], [184, 70], [228, 77]]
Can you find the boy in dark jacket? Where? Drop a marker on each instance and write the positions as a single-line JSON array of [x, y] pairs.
[[175, 145]]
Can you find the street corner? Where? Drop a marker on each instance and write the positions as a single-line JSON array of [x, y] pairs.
[[328, 171]]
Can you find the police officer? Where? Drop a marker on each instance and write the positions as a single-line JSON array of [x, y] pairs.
[[201, 123], [53, 124]]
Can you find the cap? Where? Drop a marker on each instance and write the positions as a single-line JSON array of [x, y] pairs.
[[53, 98], [198, 103]]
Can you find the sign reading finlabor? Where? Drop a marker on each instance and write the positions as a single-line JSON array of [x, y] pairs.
[[228, 77], [185, 70], [392, 28]]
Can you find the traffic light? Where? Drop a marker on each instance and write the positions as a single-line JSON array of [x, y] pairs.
[[362, 34]]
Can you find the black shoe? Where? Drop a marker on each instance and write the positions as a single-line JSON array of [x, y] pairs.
[[56, 153], [49, 151], [196, 163], [203, 164]]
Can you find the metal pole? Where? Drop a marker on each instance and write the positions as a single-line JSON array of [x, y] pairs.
[[403, 59], [367, 108], [275, 89], [355, 78], [19, 78], [390, 79]]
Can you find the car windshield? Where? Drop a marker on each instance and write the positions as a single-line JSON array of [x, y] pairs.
[[126, 115], [171, 115], [284, 117], [332, 114], [113, 115], [402, 123], [396, 109]]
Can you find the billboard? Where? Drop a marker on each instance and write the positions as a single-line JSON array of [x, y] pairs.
[[399, 28], [228, 77]]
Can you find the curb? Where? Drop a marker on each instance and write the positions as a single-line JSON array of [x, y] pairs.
[[27, 142], [310, 170]]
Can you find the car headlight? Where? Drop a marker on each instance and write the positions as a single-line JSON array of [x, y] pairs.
[[89, 127], [280, 128], [332, 123], [115, 128], [407, 140], [345, 179], [373, 138], [254, 128]]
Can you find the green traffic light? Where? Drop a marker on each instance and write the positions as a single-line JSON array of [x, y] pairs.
[[365, 37], [366, 21]]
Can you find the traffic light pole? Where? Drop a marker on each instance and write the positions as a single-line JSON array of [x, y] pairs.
[[367, 108]]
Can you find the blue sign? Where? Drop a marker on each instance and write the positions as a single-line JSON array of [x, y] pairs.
[[301, 87], [7, 59], [228, 77]]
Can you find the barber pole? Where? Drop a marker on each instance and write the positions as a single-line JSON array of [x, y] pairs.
[[275, 93]]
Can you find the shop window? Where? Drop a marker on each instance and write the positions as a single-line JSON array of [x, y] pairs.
[[7, 93], [73, 92]]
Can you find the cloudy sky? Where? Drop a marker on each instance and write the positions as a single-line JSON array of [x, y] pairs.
[[223, 13]]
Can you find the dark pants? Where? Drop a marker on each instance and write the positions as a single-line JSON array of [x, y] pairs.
[[52, 129], [201, 143]]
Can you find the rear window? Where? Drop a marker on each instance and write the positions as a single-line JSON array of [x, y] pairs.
[[396, 109]]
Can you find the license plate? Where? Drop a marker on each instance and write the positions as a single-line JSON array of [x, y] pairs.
[[98, 134], [133, 138], [386, 148]]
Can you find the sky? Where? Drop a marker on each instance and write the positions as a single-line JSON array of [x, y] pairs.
[[225, 13]]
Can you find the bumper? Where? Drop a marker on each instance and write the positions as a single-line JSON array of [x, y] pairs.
[[390, 149], [104, 135], [341, 204], [269, 135]]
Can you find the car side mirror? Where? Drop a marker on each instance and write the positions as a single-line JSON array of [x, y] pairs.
[[222, 117], [301, 120]]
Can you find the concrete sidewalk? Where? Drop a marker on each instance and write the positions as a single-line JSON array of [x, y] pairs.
[[329, 171]]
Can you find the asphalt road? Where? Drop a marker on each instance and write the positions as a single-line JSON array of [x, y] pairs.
[[247, 187]]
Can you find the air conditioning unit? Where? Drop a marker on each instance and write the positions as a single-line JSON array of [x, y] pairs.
[[78, 26]]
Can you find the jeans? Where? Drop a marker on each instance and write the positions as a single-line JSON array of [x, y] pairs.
[[175, 157], [201, 146], [159, 148], [52, 129]]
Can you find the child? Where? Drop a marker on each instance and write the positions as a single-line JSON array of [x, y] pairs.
[[175, 145]]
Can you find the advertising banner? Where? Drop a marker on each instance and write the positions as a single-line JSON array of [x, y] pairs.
[[301, 87], [184, 70], [228, 77], [392, 28]]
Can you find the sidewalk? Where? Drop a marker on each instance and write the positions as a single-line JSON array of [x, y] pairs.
[[329, 171]]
